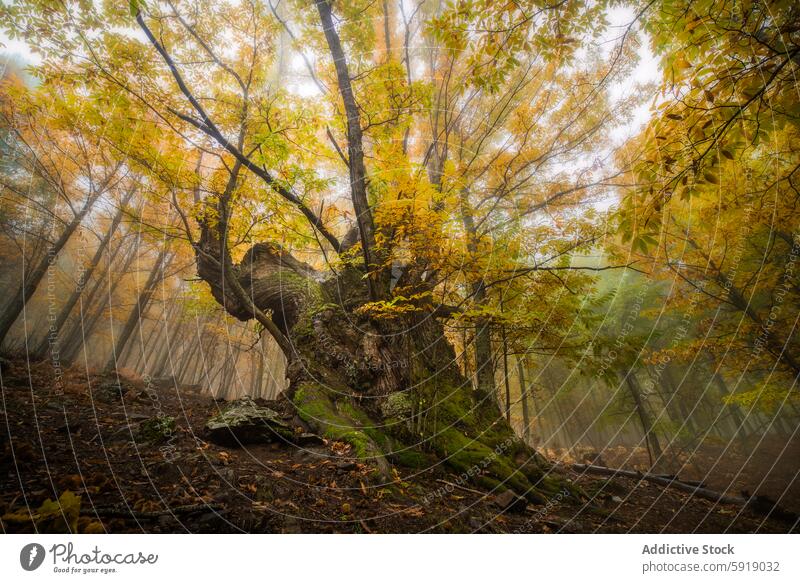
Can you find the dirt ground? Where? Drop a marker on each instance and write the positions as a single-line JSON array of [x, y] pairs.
[[84, 437]]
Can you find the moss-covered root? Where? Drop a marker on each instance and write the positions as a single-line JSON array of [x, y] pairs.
[[343, 423], [475, 441], [508, 464], [494, 467]]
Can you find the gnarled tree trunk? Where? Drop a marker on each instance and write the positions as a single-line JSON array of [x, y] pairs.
[[391, 389]]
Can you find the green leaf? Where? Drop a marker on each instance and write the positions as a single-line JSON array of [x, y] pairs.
[[136, 6]]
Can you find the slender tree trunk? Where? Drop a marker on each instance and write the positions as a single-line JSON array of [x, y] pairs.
[[252, 383], [261, 365], [741, 427], [32, 279], [139, 309], [505, 375], [219, 372], [230, 372], [651, 439], [523, 392], [465, 356], [202, 371], [686, 413], [187, 359], [387, 30], [377, 281], [484, 364], [138, 359], [51, 339], [554, 404], [83, 328], [160, 368], [169, 324]]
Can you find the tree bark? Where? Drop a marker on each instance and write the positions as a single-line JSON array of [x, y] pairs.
[[262, 358]]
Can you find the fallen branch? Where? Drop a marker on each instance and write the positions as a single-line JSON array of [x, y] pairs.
[[694, 489], [696, 483], [762, 505], [122, 512]]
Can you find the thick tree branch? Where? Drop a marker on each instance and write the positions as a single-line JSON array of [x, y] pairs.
[[206, 125], [355, 146]]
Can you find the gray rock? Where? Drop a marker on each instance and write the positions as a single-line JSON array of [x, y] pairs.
[[244, 422]]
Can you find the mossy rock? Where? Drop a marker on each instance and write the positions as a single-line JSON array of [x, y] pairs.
[[244, 422]]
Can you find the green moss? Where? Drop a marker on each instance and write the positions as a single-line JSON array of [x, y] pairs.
[[315, 408], [345, 423], [486, 466], [411, 459]]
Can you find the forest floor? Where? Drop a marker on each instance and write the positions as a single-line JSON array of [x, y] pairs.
[[62, 438]]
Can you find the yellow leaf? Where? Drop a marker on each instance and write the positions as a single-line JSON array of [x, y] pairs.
[[59, 517]]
